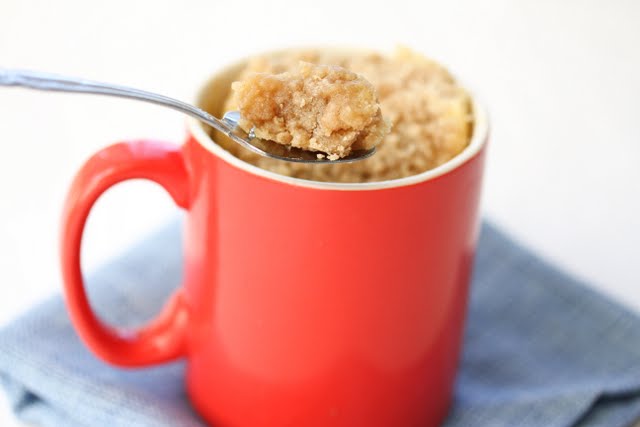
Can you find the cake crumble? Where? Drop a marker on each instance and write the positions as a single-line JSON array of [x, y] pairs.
[[320, 108]]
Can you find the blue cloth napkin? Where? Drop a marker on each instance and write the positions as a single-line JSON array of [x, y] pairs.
[[540, 349]]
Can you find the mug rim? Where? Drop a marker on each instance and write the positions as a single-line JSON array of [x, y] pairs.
[[478, 140]]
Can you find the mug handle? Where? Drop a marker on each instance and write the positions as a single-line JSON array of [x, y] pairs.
[[162, 339]]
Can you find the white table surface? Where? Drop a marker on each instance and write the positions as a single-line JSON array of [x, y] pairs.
[[561, 79]]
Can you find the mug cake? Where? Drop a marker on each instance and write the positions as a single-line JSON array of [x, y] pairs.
[[425, 116]]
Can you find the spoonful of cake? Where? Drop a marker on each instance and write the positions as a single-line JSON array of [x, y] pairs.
[[320, 108], [320, 114]]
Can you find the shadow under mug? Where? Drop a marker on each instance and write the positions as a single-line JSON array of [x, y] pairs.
[[303, 303]]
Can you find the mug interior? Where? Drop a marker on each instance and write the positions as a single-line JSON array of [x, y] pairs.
[[215, 91]]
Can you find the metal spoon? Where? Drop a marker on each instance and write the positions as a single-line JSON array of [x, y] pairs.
[[228, 125]]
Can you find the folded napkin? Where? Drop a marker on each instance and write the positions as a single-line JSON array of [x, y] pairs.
[[540, 349]]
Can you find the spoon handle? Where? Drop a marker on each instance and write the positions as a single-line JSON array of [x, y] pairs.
[[52, 82]]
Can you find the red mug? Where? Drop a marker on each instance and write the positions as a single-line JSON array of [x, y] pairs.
[[304, 303]]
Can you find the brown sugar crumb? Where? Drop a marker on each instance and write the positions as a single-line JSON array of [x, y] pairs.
[[314, 107], [430, 114]]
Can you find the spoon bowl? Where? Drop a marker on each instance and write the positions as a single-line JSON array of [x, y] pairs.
[[282, 152]]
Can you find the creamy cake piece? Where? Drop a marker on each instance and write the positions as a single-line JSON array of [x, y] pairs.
[[320, 108]]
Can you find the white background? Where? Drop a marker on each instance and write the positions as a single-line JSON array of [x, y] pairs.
[[561, 79]]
